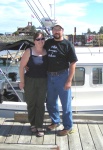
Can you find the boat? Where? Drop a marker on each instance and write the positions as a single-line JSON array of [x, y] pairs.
[[11, 97], [87, 85]]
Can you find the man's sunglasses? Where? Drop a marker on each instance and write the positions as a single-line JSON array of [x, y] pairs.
[[40, 39]]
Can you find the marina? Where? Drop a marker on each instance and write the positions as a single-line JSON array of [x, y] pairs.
[[87, 93], [87, 106]]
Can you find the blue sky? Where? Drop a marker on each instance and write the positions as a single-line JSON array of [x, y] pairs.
[[82, 14]]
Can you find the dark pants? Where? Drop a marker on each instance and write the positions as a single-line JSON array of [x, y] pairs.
[[35, 96]]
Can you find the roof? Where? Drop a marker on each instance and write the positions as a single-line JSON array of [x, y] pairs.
[[89, 55], [89, 50], [88, 59], [22, 44]]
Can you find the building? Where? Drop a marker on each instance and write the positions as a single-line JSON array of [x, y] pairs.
[[25, 30]]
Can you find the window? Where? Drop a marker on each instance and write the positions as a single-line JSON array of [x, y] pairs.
[[97, 76], [79, 77]]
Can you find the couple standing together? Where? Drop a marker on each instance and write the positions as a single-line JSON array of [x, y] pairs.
[[51, 66]]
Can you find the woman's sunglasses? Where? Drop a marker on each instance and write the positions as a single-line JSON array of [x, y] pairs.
[[40, 39]]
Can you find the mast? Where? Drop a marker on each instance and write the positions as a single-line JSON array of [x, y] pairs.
[[54, 9], [74, 36]]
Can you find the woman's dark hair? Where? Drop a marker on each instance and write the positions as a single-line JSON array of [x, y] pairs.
[[37, 34]]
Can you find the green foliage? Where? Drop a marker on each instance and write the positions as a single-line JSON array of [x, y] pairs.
[[101, 30], [94, 32], [88, 31], [33, 30], [16, 33]]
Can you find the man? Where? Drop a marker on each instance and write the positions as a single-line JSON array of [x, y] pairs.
[[61, 67]]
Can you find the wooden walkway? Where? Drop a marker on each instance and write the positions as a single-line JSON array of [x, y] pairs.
[[17, 136]]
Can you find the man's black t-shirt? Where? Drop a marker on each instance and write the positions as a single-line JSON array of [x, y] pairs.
[[60, 54]]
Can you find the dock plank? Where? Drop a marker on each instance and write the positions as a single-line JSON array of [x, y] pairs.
[[96, 136], [88, 135], [1, 121], [25, 136], [37, 140], [4, 130], [27, 147], [74, 139], [49, 135], [85, 137], [14, 133], [101, 128], [61, 141]]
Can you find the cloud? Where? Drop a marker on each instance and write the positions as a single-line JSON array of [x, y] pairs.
[[13, 13], [16, 13], [99, 1]]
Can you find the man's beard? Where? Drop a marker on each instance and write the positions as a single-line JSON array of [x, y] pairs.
[[57, 36]]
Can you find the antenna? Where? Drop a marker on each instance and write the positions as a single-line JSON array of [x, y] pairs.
[[90, 51]]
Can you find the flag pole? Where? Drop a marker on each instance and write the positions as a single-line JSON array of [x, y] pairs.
[[31, 18]]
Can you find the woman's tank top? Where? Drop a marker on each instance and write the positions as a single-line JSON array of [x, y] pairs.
[[37, 66]]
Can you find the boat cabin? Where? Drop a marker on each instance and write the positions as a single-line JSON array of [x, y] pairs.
[[87, 85]]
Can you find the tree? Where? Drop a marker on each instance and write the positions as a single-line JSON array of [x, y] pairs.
[[16, 33], [94, 32], [101, 30], [88, 31], [33, 30]]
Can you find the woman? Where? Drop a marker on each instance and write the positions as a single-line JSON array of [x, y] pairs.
[[34, 81]]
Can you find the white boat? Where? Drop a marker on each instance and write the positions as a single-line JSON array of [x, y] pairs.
[[87, 88]]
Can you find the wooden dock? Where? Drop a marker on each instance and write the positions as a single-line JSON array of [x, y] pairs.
[[15, 135]]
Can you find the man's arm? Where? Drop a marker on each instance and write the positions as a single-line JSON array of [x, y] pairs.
[[70, 77]]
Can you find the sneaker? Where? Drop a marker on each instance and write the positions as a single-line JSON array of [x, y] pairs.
[[65, 132], [53, 126]]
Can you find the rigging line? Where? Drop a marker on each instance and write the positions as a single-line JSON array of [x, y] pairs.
[[45, 11], [38, 8], [32, 9], [13, 58], [48, 32]]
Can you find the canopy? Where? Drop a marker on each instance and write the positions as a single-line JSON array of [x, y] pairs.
[[19, 45]]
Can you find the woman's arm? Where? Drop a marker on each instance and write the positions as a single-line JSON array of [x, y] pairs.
[[23, 63]]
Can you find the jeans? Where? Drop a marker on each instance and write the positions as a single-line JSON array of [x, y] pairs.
[[55, 88]]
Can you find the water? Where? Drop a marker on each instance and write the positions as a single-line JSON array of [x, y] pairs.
[[4, 52], [9, 67]]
